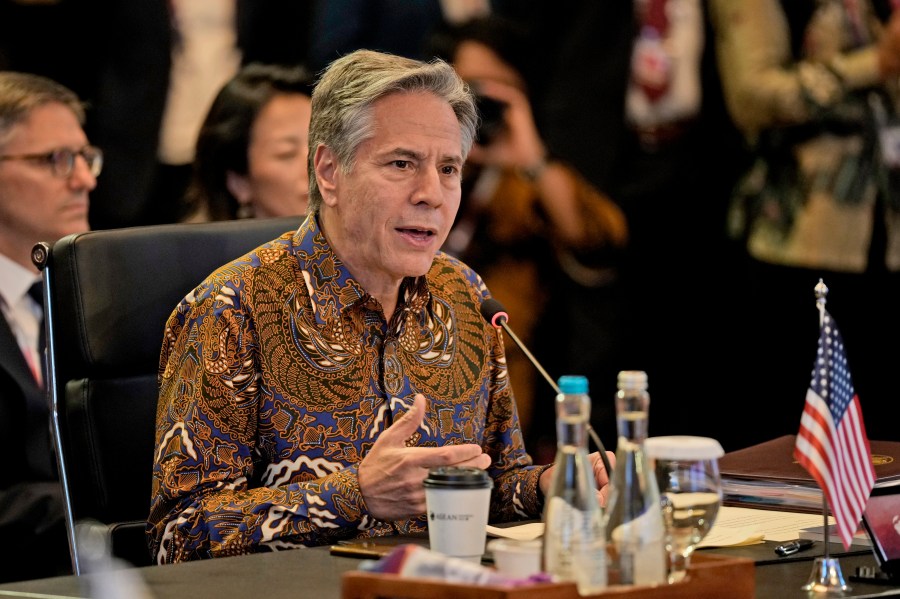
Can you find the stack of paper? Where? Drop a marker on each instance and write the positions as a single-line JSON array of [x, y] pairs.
[[734, 527]]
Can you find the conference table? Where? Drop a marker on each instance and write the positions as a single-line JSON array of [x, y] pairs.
[[315, 572]]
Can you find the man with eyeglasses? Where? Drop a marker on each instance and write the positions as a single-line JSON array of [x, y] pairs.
[[47, 169]]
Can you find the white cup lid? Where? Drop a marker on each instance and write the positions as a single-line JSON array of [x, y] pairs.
[[683, 447]]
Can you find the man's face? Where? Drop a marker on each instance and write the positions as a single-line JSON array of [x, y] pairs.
[[35, 203], [388, 216]]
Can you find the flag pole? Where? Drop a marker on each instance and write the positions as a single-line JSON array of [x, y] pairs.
[[826, 577], [821, 291]]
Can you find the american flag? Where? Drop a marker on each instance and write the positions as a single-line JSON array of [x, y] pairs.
[[832, 443]]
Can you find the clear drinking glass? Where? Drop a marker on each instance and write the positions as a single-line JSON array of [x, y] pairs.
[[690, 488]]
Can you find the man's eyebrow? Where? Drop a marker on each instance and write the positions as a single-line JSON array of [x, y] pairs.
[[405, 153], [455, 159], [414, 155]]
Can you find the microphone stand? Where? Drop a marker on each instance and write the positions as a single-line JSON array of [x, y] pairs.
[[533, 360]]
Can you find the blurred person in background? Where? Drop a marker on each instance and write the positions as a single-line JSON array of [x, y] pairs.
[[162, 63], [629, 94], [401, 27], [148, 72], [527, 218], [47, 170], [251, 154], [813, 86]]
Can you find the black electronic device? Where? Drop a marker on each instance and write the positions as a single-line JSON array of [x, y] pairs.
[[881, 520], [492, 122], [792, 547]]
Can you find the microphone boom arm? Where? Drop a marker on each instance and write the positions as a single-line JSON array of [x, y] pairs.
[[529, 355], [501, 320]]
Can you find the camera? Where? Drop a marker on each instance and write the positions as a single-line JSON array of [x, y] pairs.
[[492, 122]]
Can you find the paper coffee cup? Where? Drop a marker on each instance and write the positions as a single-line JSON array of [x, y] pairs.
[[458, 501]]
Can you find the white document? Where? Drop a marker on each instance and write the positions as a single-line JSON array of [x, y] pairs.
[[737, 526], [734, 526], [521, 532]]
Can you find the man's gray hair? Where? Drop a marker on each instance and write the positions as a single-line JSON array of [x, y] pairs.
[[20, 93], [342, 103]]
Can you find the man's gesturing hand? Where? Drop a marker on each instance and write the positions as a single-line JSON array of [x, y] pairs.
[[601, 476], [391, 474]]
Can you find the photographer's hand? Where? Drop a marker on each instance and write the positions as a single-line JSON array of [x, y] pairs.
[[559, 188], [519, 145]]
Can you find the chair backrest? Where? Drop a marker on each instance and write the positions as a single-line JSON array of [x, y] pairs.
[[108, 295]]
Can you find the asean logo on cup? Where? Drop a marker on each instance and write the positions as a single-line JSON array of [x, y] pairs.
[[450, 517]]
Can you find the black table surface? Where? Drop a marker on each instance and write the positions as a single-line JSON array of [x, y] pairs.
[[314, 572]]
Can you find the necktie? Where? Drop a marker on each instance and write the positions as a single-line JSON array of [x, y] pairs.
[[37, 294], [39, 445], [651, 66]]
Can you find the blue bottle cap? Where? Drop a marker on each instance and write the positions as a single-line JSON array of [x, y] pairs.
[[573, 384]]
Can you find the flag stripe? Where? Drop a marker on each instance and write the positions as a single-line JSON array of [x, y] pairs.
[[832, 444]]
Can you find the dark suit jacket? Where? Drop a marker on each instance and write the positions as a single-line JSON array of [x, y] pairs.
[[31, 509]]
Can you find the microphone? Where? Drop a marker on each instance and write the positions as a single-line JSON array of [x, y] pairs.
[[494, 312]]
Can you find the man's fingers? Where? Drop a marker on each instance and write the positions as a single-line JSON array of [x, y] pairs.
[[482, 461], [446, 455], [397, 434], [600, 474]]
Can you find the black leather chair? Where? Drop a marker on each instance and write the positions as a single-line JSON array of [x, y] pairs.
[[108, 295]]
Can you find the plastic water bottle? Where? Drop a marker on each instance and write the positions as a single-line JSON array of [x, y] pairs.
[[574, 540], [635, 530]]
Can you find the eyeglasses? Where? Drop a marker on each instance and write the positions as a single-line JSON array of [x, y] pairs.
[[62, 161]]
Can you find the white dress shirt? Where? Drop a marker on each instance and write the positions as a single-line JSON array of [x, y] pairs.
[[22, 313]]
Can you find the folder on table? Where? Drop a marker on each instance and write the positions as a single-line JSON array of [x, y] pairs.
[[766, 475]]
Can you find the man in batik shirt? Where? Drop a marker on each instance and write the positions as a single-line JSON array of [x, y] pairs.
[[307, 387]]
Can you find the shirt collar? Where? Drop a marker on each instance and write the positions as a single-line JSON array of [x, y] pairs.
[[16, 280], [332, 289]]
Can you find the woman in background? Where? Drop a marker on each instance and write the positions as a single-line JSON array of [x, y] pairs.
[[251, 158]]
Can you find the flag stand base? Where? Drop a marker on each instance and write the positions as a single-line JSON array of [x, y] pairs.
[[826, 578]]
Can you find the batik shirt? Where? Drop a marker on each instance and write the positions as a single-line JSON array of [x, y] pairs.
[[278, 373]]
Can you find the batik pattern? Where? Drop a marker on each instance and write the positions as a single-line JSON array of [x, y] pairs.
[[278, 373]]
